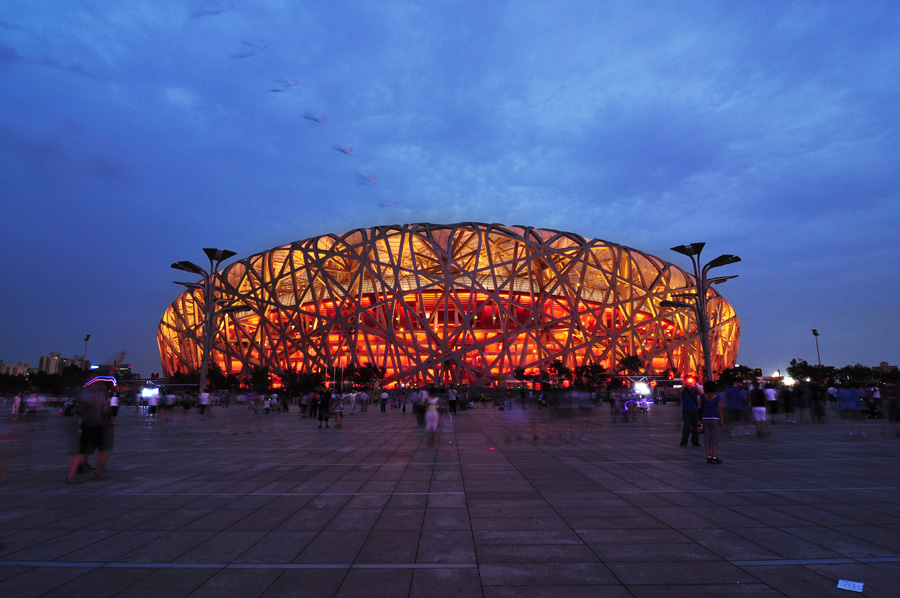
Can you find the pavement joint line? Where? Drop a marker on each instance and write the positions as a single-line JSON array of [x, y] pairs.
[[145, 565], [230, 495], [745, 490], [837, 561]]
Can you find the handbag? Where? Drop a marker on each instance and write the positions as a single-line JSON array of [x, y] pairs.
[[700, 427]]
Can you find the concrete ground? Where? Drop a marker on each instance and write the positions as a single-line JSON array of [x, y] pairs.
[[509, 503]]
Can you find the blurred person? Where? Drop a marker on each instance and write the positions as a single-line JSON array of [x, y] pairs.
[[690, 414], [431, 419], [96, 433], [801, 402], [713, 415], [16, 407], [363, 400], [384, 399], [817, 398], [164, 405], [771, 402], [31, 406], [337, 406], [786, 395], [831, 394], [186, 400], [304, 403], [735, 397], [324, 408], [315, 401], [850, 408], [419, 406], [113, 408], [204, 403], [152, 404], [451, 400], [757, 398]]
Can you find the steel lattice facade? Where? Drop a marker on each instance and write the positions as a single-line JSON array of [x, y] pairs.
[[458, 303]]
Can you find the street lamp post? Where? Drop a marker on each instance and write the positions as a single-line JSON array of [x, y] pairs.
[[818, 355], [84, 357], [208, 286], [699, 299]]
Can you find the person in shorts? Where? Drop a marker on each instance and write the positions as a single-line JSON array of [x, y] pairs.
[[96, 433]]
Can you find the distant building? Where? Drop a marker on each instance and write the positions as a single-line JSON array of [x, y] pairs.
[[22, 368], [50, 364], [885, 367], [78, 361], [121, 371]]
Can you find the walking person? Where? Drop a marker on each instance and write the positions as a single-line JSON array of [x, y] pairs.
[[690, 414], [337, 405], [713, 415], [431, 419], [16, 407], [96, 434], [113, 409], [314, 401], [204, 403], [451, 400], [324, 408], [304, 401], [758, 409]]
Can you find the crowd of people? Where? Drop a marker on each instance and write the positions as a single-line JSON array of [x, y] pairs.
[[736, 409], [742, 409]]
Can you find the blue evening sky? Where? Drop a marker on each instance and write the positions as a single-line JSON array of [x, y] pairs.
[[135, 132]]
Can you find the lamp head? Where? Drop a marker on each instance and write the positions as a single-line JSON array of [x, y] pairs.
[[218, 255], [722, 260], [689, 250], [186, 266], [675, 304], [721, 279], [190, 285]]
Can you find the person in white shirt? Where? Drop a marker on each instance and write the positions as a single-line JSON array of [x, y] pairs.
[[113, 409]]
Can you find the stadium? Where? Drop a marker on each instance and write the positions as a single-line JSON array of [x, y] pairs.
[[466, 303]]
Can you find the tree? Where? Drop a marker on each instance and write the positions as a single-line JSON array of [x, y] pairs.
[[559, 369], [738, 373], [591, 374], [632, 364], [216, 378], [259, 380], [800, 370], [856, 375], [368, 374]]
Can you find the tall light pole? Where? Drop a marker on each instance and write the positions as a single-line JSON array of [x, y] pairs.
[[84, 357], [699, 298], [208, 286], [818, 355]]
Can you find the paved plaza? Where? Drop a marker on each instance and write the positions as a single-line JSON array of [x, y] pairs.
[[509, 503]]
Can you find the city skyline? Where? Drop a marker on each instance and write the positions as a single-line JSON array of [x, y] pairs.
[[134, 134]]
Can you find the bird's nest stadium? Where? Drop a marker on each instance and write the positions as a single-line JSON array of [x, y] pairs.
[[466, 303]]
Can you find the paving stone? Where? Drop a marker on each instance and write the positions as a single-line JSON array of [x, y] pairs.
[[593, 507]]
